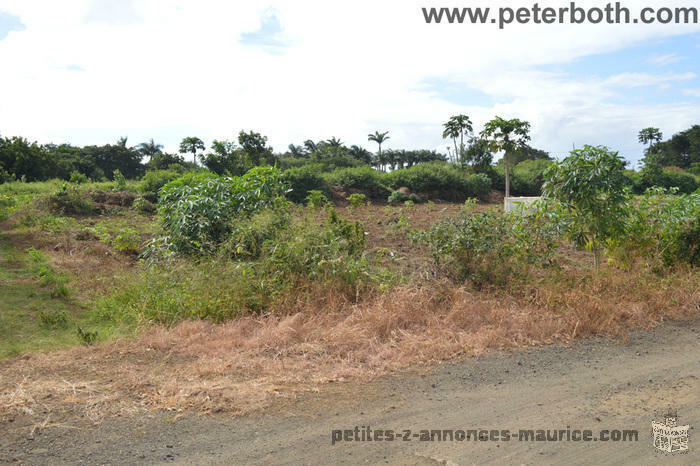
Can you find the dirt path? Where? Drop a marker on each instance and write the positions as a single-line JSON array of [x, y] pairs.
[[593, 385]]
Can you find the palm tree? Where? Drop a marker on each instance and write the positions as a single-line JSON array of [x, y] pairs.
[[379, 138], [122, 141], [150, 148], [296, 151], [311, 146], [457, 126]]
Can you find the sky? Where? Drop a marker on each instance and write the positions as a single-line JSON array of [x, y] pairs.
[[91, 71]]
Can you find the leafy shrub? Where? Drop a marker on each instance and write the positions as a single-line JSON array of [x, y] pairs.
[[78, 178], [127, 240], [143, 205], [653, 175], [362, 178], [478, 185], [53, 319], [331, 252], [303, 179], [197, 210], [316, 199], [527, 177], [248, 235], [153, 180], [86, 337], [438, 179], [70, 200], [119, 181], [356, 199], [661, 227], [589, 187], [397, 197], [492, 248]]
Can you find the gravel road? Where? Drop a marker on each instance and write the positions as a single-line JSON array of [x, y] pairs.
[[594, 385]]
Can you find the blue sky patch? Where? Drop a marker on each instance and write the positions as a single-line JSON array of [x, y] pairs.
[[9, 23]]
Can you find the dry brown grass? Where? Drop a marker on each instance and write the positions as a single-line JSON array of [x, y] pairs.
[[305, 343]]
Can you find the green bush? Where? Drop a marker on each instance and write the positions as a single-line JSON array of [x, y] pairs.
[[396, 197], [70, 200], [316, 199], [143, 205], [197, 210], [437, 179], [478, 185], [661, 227], [119, 181], [656, 176], [492, 248], [78, 178], [153, 180], [362, 178], [248, 235], [356, 200], [527, 177], [303, 179]]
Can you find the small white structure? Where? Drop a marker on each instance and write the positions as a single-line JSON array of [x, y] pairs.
[[512, 203]]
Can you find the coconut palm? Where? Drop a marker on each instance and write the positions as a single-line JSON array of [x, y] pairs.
[[458, 126], [379, 138], [150, 148]]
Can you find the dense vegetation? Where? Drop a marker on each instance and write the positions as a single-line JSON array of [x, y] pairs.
[[466, 171]]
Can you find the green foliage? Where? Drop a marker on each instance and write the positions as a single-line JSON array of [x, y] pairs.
[[302, 180], [78, 178], [362, 178], [589, 187], [654, 175], [153, 180], [316, 199], [48, 277], [143, 205], [197, 210], [53, 319], [119, 181], [249, 235], [682, 150], [86, 337], [70, 200], [492, 248], [356, 200], [396, 197], [528, 177], [478, 185], [127, 241], [661, 228]]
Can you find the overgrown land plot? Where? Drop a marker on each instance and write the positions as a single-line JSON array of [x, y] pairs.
[[192, 290]]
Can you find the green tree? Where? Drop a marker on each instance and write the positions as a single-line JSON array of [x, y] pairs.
[[149, 149], [457, 127], [682, 150], [589, 186], [478, 154], [192, 144], [379, 138], [650, 136], [509, 136], [255, 147]]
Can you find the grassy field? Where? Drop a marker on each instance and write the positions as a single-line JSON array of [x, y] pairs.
[[257, 320]]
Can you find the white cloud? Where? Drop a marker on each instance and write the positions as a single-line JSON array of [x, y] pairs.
[[168, 69], [646, 79], [666, 59], [692, 92]]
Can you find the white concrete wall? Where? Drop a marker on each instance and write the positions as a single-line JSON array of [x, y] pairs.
[[513, 202]]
